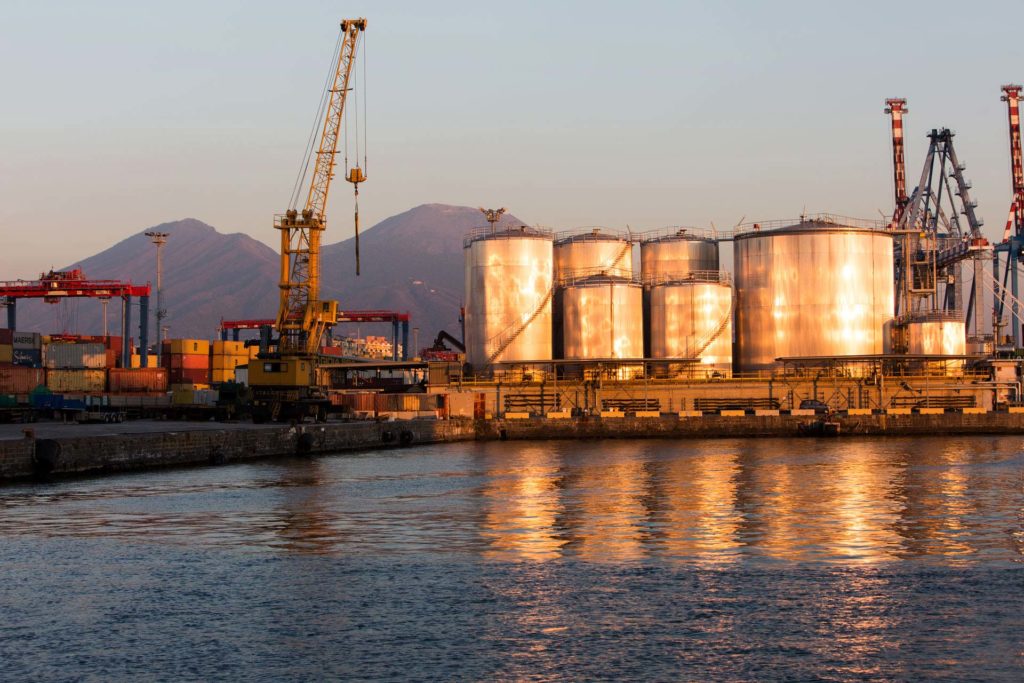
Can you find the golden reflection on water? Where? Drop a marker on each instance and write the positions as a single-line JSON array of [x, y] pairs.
[[866, 502], [714, 502]]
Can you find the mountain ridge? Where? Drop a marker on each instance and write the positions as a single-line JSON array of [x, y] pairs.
[[410, 262]]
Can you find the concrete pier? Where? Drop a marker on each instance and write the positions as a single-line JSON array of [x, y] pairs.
[[54, 449]]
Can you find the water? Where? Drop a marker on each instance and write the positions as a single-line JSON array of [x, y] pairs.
[[846, 559]]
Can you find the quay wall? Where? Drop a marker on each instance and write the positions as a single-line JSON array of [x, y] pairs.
[[123, 452], [28, 457]]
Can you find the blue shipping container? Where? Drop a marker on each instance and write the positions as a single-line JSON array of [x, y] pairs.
[[32, 358]]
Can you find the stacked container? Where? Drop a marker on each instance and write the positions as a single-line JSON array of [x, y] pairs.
[[72, 367], [6, 347], [26, 349], [137, 380], [225, 357], [187, 360]]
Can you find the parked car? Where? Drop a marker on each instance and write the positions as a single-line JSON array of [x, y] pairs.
[[817, 406]]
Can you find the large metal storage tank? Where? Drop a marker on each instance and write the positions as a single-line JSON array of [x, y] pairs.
[[676, 254], [941, 335], [692, 318], [508, 295], [592, 253], [820, 287], [603, 318]]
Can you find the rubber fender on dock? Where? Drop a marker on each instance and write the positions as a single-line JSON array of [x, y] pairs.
[[305, 443], [502, 435], [405, 438], [46, 456], [387, 436]]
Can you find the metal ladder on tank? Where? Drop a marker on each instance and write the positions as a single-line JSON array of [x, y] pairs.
[[710, 338], [506, 337]]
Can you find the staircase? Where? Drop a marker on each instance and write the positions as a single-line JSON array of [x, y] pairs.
[[504, 339], [706, 341]]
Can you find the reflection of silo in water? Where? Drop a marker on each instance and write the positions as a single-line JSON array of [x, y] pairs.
[[812, 289], [603, 319], [692, 318], [508, 295], [582, 255]]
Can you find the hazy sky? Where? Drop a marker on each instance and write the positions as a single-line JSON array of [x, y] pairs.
[[121, 115]]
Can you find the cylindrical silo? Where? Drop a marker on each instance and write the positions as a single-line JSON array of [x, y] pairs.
[[508, 295], [692, 319], [676, 255], [602, 318], [938, 335], [595, 252], [815, 288]]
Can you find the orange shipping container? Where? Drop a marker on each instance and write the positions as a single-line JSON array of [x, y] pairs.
[[137, 380], [17, 379], [189, 361]]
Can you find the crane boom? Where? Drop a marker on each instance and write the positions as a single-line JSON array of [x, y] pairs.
[[302, 317]]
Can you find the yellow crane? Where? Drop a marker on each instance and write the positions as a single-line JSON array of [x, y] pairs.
[[287, 384]]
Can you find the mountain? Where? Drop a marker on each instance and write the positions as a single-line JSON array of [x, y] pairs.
[[410, 262]]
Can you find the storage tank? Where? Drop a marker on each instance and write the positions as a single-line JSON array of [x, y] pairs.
[[820, 287], [938, 334], [603, 318], [692, 318], [592, 253], [677, 253], [508, 279]]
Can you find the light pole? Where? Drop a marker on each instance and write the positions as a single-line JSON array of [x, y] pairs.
[[159, 239]]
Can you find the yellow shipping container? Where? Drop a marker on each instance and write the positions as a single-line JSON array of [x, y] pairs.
[[229, 362], [189, 387], [76, 380], [151, 362], [228, 348], [189, 346], [218, 376], [183, 397], [6, 353]]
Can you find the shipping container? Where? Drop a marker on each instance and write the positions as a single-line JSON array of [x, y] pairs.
[[228, 348], [186, 376], [88, 380], [152, 361], [188, 386], [221, 376], [6, 336], [191, 361], [228, 362], [32, 358], [17, 379], [27, 340], [135, 380], [59, 355], [6, 353], [186, 346]]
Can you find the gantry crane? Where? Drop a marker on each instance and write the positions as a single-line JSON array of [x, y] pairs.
[[1013, 236], [287, 383]]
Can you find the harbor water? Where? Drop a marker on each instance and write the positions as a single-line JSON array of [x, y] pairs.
[[745, 559]]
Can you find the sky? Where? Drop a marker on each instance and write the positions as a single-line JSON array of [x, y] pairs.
[[117, 116]]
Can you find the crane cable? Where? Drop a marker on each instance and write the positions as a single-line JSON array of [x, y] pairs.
[[300, 177]]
